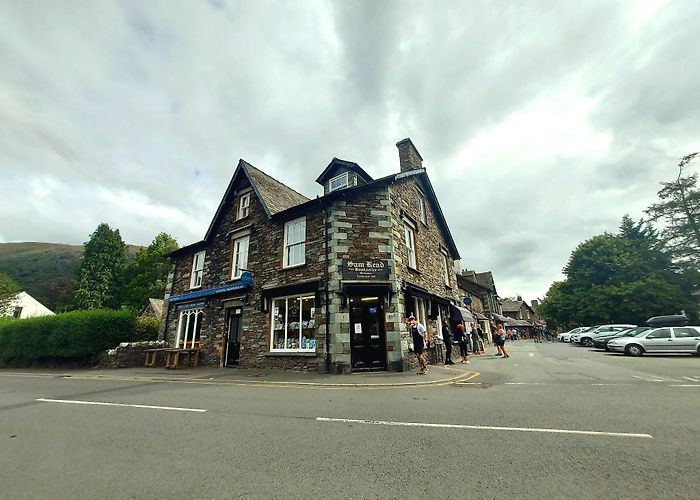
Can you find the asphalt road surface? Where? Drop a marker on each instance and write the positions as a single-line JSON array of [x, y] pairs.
[[552, 421]]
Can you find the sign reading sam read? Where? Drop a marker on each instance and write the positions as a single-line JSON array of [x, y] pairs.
[[365, 269]]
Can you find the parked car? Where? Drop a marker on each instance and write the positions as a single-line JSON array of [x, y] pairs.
[[566, 337], [586, 338], [601, 341], [680, 339]]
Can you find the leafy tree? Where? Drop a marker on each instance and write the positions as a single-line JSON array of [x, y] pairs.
[[99, 281], [147, 274], [623, 278], [8, 291], [679, 208]]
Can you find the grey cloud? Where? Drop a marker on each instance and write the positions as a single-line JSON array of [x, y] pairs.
[[155, 102]]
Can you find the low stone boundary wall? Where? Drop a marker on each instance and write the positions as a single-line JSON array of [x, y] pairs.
[[131, 354]]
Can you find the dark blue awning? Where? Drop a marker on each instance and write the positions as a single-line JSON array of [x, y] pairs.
[[245, 281]]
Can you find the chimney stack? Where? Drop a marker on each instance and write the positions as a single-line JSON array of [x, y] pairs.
[[409, 157], [535, 303]]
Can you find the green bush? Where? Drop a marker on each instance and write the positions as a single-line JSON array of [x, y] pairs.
[[146, 328], [76, 337]]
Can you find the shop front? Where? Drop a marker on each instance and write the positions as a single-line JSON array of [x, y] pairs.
[[366, 293]]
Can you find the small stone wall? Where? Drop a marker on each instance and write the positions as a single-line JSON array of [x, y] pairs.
[[132, 354]]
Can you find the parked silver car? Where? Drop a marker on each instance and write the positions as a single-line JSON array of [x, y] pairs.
[[659, 340], [587, 338]]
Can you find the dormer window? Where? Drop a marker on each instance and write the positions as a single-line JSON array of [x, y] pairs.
[[338, 182]]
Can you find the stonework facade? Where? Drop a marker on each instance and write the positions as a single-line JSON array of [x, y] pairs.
[[295, 304]]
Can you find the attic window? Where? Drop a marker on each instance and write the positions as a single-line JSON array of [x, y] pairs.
[[421, 206], [338, 182], [244, 206]]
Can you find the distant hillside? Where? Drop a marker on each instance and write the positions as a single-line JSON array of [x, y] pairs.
[[46, 271]]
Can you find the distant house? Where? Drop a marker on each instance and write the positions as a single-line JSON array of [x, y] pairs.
[[25, 306], [520, 311], [154, 309]]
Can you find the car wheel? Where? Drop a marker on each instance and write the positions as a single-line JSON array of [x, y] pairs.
[[587, 342], [634, 350]]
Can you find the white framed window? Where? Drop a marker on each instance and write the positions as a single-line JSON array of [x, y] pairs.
[[421, 207], [244, 206], [410, 239], [240, 256], [339, 182], [420, 311], [189, 328], [295, 243], [197, 270], [446, 266], [293, 325]]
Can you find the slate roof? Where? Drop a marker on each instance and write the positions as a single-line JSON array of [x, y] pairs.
[[338, 164], [514, 305], [511, 305], [274, 195], [155, 305]]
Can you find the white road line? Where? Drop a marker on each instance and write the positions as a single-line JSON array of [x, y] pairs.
[[684, 385], [692, 379], [197, 410], [482, 427], [611, 384]]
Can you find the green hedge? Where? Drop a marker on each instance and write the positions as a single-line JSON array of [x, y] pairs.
[[75, 337]]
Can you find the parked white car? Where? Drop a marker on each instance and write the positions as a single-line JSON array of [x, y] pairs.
[[587, 338], [679, 339], [566, 337]]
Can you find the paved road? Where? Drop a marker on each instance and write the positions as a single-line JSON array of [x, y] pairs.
[[275, 442]]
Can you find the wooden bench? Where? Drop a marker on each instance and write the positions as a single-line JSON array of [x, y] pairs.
[[151, 356], [172, 357]]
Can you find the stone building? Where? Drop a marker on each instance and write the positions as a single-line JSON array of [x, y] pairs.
[[324, 284]]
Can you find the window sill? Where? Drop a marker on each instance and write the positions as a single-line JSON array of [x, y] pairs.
[[194, 288], [296, 266], [304, 354], [413, 269]]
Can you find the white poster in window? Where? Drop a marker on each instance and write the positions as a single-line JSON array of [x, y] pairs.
[[358, 327], [313, 312]]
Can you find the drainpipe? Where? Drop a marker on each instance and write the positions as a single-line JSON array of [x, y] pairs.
[[328, 315]]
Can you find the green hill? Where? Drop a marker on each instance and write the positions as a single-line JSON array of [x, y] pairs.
[[46, 271]]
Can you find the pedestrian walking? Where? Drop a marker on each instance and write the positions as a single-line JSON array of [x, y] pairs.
[[501, 342], [418, 336], [461, 339], [447, 339], [475, 341]]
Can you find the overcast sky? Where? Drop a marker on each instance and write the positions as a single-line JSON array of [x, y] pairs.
[[541, 123]]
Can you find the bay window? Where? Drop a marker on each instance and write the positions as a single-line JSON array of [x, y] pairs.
[[295, 242], [293, 325], [189, 328]]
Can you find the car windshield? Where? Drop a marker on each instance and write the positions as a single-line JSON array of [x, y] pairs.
[[633, 332]]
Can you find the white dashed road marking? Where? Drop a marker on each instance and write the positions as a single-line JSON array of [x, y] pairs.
[[99, 403], [483, 427]]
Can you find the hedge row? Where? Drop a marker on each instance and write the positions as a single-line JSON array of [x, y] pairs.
[[79, 337]]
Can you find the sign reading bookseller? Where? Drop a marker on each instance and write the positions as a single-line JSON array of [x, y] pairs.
[[365, 269]]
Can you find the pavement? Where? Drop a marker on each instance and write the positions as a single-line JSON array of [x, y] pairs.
[[436, 375]]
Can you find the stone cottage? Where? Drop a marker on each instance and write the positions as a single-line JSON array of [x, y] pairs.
[[325, 284]]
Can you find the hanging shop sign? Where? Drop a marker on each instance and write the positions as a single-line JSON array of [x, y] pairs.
[[365, 269]]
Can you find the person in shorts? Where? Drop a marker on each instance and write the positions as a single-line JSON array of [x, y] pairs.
[[418, 337]]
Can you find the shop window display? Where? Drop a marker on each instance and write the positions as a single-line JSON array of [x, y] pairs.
[[293, 324]]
